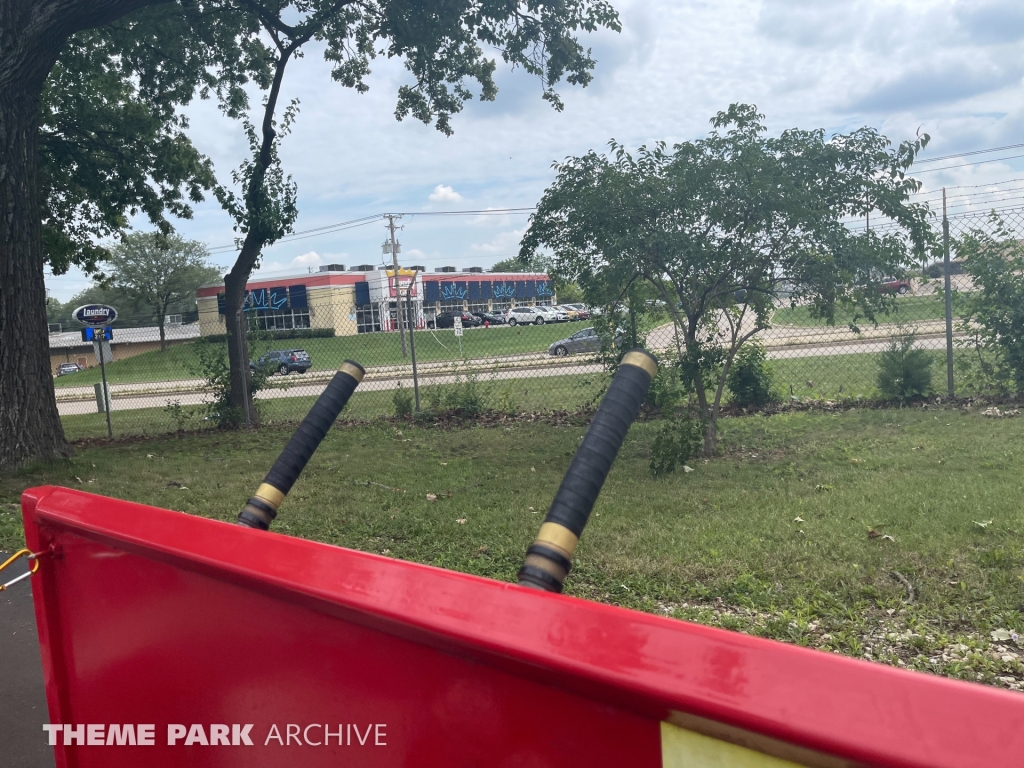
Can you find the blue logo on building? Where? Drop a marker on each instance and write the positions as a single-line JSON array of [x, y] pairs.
[[450, 292]]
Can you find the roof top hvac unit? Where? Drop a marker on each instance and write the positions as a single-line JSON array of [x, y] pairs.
[[445, 269], [332, 268]]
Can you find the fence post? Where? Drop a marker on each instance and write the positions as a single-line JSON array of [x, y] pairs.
[[949, 298]]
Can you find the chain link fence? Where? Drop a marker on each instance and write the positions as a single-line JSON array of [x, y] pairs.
[[539, 358]]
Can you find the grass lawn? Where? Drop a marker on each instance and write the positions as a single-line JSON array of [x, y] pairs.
[[368, 349], [771, 538], [908, 309]]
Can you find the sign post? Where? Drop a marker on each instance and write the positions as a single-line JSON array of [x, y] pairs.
[[96, 318], [458, 331]]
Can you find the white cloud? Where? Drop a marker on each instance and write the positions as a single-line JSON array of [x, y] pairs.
[[505, 245], [310, 259], [444, 194]]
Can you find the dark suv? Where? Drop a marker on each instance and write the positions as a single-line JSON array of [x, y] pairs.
[[283, 361], [447, 320]]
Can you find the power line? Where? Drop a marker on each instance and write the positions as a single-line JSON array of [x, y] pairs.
[[968, 154], [965, 165]]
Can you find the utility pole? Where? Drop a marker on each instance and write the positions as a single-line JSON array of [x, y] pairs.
[[949, 298], [398, 293], [412, 339]]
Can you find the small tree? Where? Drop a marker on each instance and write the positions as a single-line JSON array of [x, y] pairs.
[[904, 373], [719, 227], [994, 314], [159, 271]]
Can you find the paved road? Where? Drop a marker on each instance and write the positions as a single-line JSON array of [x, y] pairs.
[[22, 699]]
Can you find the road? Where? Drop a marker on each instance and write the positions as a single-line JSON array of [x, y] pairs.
[[23, 701]]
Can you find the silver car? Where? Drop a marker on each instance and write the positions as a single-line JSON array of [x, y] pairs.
[[525, 316], [553, 314], [587, 340]]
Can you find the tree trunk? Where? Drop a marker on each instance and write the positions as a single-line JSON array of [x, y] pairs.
[[29, 423], [32, 35], [238, 345]]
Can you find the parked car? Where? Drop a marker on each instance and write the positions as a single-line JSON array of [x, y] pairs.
[[553, 314], [894, 285], [66, 368], [283, 361], [447, 320], [525, 316], [572, 312], [587, 340], [489, 318], [582, 310]]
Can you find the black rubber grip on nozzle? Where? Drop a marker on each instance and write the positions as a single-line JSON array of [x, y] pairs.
[[311, 431], [600, 445]]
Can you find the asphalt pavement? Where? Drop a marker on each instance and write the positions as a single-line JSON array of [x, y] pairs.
[[22, 698]]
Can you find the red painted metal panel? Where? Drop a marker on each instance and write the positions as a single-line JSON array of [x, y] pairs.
[[151, 616]]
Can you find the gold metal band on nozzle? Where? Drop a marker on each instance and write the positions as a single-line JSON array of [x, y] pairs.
[[641, 360], [552, 551], [354, 371]]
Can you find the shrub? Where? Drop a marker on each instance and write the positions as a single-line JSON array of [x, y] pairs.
[[904, 373], [678, 440], [751, 378], [996, 309], [403, 402], [211, 365], [464, 397]]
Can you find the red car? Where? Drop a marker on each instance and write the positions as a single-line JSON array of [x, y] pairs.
[[892, 285]]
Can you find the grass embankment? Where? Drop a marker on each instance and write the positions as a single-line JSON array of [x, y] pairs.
[[368, 349], [772, 538], [907, 309]]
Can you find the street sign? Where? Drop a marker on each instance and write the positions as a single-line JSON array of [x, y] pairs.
[[95, 314], [458, 326], [96, 334]]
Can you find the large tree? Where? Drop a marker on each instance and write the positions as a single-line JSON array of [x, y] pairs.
[[159, 271], [443, 47], [722, 227], [85, 145]]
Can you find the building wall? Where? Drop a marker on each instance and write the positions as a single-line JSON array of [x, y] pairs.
[[333, 307], [211, 322]]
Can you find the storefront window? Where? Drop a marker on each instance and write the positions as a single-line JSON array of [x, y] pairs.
[[279, 320]]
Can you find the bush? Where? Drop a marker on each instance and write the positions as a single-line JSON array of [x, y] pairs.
[[211, 365], [751, 379], [464, 397], [904, 373], [679, 439], [403, 402], [994, 313], [937, 269]]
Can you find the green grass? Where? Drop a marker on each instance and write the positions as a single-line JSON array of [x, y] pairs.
[[770, 538], [908, 309], [570, 392], [368, 349]]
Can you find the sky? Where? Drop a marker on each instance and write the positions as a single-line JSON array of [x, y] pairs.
[[949, 68]]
